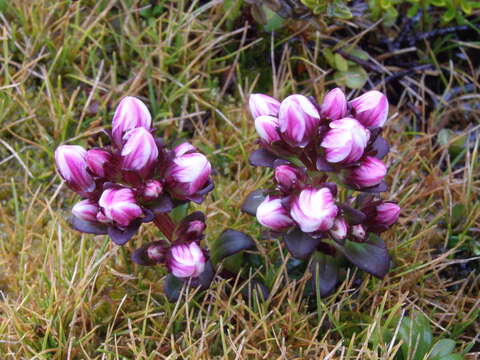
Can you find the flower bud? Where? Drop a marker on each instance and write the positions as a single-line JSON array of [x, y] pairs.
[[272, 214], [86, 210], [387, 213], [287, 176], [96, 160], [140, 151], [346, 141], [186, 260], [339, 229], [191, 228], [261, 105], [71, 164], [156, 252], [358, 232], [196, 228], [184, 148], [119, 206], [371, 109], [267, 128], [152, 189], [188, 174], [298, 119], [151, 253], [131, 113], [370, 172], [314, 210], [334, 105]]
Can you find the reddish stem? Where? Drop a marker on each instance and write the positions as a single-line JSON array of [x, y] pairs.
[[165, 224]]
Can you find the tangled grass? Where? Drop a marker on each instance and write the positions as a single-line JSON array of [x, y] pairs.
[[65, 65]]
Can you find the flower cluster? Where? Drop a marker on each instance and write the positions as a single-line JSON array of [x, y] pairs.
[[132, 180], [136, 179], [312, 149]]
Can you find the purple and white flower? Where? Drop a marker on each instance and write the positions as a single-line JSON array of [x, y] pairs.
[[346, 141], [72, 166], [272, 214], [86, 210], [96, 160], [298, 119], [287, 176], [140, 151], [186, 260], [371, 109], [119, 206], [267, 128], [130, 113], [263, 105], [152, 189], [314, 209], [358, 232], [339, 230], [370, 172], [387, 213], [188, 174], [334, 106]]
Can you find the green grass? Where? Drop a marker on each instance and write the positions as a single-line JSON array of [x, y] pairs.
[[63, 295]]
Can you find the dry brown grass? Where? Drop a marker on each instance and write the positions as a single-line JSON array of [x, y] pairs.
[[64, 65]]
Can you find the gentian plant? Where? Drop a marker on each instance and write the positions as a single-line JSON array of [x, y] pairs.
[[327, 175], [137, 179]]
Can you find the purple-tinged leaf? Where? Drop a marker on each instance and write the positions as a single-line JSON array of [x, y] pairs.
[[382, 187], [324, 269], [119, 236], [370, 256], [206, 277], [88, 227], [229, 243], [379, 148], [353, 216], [149, 216], [162, 205], [262, 157], [253, 200], [323, 165], [140, 256], [299, 244], [279, 162]]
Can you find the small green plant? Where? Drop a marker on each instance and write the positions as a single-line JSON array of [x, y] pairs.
[[347, 73], [453, 9], [333, 8], [419, 343]]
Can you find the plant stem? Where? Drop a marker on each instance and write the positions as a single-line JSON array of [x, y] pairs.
[[165, 224]]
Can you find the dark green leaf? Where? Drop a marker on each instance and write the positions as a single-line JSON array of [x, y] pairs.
[[324, 270], [172, 287]]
